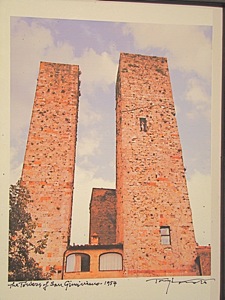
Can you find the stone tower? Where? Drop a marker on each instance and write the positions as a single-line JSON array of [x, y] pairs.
[[48, 170], [154, 219], [103, 216]]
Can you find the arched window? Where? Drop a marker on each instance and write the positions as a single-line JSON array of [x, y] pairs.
[[78, 262], [111, 262]]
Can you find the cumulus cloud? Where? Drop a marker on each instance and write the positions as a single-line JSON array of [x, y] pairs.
[[199, 187], [88, 144], [32, 43], [187, 47], [27, 44], [87, 117], [98, 70], [199, 99], [85, 181]]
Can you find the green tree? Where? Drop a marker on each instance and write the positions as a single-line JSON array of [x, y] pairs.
[[21, 229]]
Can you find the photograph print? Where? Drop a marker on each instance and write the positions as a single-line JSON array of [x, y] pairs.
[[110, 149]]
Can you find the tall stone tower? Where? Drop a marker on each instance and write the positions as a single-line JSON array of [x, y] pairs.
[[48, 170], [154, 219]]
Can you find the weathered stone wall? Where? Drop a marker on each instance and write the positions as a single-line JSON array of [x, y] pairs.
[[103, 215], [151, 183], [48, 170], [204, 254]]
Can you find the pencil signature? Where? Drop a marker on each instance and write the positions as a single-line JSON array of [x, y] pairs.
[[172, 280]]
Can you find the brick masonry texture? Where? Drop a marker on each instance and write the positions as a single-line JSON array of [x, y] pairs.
[[204, 254], [48, 170], [103, 215], [151, 183]]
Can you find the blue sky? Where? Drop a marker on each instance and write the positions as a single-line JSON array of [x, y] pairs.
[[95, 47]]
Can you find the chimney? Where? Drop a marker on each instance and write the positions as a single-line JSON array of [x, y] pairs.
[[94, 239]]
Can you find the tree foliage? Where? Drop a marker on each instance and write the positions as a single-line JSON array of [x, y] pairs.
[[21, 241]]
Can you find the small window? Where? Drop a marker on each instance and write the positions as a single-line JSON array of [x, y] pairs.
[[78, 263], [143, 124], [165, 235], [111, 262]]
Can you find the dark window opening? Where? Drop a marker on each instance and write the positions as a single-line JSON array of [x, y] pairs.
[[165, 235], [143, 124], [78, 263]]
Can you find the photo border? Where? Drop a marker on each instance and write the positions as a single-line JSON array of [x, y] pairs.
[[220, 4]]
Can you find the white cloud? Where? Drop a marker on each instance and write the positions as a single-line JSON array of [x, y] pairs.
[[199, 98], [15, 174], [60, 53], [27, 44], [88, 144], [85, 181], [187, 47], [32, 43], [87, 116], [199, 187], [98, 70]]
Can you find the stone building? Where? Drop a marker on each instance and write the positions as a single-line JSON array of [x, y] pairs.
[[154, 220], [144, 227], [103, 217], [48, 169]]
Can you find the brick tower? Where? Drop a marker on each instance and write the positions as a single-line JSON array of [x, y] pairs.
[[48, 170], [154, 219], [103, 216]]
